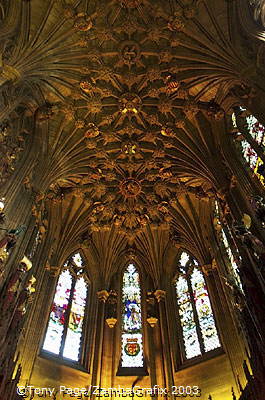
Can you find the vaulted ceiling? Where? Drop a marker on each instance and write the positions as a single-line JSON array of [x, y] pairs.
[[123, 101]]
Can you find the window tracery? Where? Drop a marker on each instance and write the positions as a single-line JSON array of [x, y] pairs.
[[199, 332], [64, 332]]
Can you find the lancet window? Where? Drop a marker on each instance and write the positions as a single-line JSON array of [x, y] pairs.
[[198, 328], [131, 337], [66, 322]]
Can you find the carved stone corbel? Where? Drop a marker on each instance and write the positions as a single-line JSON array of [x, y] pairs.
[[160, 295], [111, 309], [207, 269], [53, 270], [103, 295]]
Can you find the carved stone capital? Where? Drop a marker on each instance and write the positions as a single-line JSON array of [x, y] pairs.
[[111, 322], [160, 295], [103, 295], [152, 321]]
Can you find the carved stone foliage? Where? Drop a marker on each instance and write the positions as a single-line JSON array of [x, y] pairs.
[[11, 146]]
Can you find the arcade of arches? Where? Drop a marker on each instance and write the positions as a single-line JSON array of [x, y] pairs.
[[132, 209]]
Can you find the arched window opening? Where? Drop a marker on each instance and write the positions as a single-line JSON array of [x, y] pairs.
[[65, 327], [253, 136], [131, 337], [199, 333]]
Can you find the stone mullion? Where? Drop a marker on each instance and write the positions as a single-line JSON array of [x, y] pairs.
[[67, 317], [195, 316]]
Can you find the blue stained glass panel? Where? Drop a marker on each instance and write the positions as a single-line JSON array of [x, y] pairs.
[[132, 346]]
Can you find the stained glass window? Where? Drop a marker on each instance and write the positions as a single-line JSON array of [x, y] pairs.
[[64, 332], [132, 338], [257, 133], [197, 322]]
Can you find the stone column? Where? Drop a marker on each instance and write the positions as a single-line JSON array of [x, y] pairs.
[[160, 295], [99, 338]]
